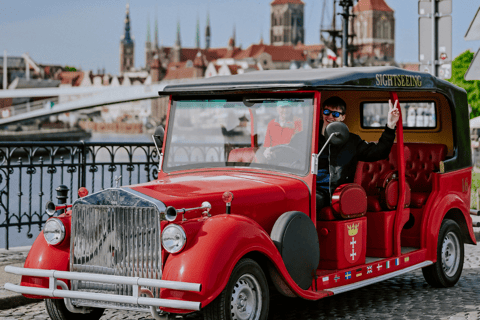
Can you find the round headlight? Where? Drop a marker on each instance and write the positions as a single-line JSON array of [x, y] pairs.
[[173, 238], [54, 231]]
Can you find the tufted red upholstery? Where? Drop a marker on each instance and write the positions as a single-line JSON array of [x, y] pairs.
[[424, 159], [421, 160], [241, 155]]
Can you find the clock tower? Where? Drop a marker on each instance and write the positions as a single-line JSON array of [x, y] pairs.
[[127, 47]]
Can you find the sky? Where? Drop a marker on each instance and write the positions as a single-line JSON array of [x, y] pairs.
[[86, 34]]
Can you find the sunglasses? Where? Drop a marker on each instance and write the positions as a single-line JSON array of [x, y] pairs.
[[335, 114]]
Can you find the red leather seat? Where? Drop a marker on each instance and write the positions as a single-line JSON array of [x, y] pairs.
[[241, 155], [421, 160]]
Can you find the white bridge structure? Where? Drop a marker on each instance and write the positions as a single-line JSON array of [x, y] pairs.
[[87, 97]]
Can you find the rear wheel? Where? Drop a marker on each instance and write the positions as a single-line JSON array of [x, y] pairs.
[[58, 311], [245, 297], [450, 253]]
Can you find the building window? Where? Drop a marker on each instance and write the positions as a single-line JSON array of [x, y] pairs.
[[387, 30], [379, 30]]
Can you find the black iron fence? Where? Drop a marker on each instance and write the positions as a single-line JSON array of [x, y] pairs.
[[30, 172]]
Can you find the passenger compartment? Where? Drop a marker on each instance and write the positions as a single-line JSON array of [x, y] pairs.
[[422, 160]]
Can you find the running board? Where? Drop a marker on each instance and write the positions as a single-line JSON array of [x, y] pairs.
[[378, 279]]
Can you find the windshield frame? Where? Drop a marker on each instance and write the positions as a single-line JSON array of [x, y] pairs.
[[249, 101]]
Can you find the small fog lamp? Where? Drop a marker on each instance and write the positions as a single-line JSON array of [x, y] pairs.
[[54, 231], [173, 238]]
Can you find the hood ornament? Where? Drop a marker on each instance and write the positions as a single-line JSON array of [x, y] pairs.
[[117, 181]]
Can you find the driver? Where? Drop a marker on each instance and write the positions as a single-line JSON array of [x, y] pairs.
[[337, 164], [281, 130]]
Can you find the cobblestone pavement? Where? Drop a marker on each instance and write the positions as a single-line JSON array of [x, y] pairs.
[[404, 297]]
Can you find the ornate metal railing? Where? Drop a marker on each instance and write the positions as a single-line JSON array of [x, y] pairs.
[[30, 172]]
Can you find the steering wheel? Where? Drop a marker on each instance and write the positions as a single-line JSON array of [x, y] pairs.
[[285, 156]]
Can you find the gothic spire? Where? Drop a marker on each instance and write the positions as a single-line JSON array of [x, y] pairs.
[[207, 32], [178, 42], [148, 29], [127, 39], [197, 38], [156, 33]]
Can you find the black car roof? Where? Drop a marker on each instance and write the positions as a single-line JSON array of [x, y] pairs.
[[366, 78], [358, 78]]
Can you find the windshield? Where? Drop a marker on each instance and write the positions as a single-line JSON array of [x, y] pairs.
[[261, 132]]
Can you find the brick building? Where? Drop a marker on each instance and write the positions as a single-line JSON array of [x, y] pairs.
[[374, 27]]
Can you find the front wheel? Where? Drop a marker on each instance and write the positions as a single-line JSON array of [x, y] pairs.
[[450, 253], [57, 311], [245, 297]]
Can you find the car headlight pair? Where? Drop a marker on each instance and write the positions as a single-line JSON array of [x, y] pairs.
[[54, 231], [173, 238]]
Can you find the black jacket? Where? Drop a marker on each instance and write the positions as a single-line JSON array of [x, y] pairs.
[[343, 159]]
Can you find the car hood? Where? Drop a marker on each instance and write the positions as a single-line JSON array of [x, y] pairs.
[[259, 196]]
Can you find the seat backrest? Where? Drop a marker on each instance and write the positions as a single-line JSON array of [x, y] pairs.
[[421, 160], [241, 155]]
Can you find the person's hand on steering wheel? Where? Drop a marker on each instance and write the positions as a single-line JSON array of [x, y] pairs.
[[267, 153]]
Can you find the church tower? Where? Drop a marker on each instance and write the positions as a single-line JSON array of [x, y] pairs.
[[287, 22], [374, 26], [127, 47]]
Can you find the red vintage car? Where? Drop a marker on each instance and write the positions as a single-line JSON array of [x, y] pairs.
[[227, 220]]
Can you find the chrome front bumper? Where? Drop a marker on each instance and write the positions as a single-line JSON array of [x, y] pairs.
[[136, 282]]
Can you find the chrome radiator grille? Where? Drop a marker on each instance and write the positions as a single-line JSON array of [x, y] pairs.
[[115, 240]]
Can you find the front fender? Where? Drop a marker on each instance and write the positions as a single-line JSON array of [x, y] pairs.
[[209, 258], [47, 257]]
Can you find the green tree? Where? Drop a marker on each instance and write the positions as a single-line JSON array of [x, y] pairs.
[[459, 67], [67, 68]]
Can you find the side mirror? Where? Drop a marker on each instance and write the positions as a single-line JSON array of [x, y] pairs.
[[158, 136], [340, 133]]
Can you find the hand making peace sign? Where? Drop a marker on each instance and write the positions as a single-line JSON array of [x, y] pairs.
[[393, 114]]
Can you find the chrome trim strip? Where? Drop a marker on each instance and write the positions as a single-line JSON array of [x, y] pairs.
[[364, 283], [159, 204], [52, 291]]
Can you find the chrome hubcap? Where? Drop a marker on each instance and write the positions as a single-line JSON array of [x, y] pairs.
[[450, 254], [246, 302]]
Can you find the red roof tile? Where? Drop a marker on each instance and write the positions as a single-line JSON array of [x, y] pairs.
[[179, 71], [287, 2], [278, 53], [367, 5]]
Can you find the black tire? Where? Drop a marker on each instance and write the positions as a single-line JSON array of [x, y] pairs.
[[450, 254], [246, 295], [57, 311]]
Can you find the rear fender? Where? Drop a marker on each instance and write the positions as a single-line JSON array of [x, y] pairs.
[[210, 256], [451, 207], [47, 257]]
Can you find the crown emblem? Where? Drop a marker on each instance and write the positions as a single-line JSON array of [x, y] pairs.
[[353, 229]]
